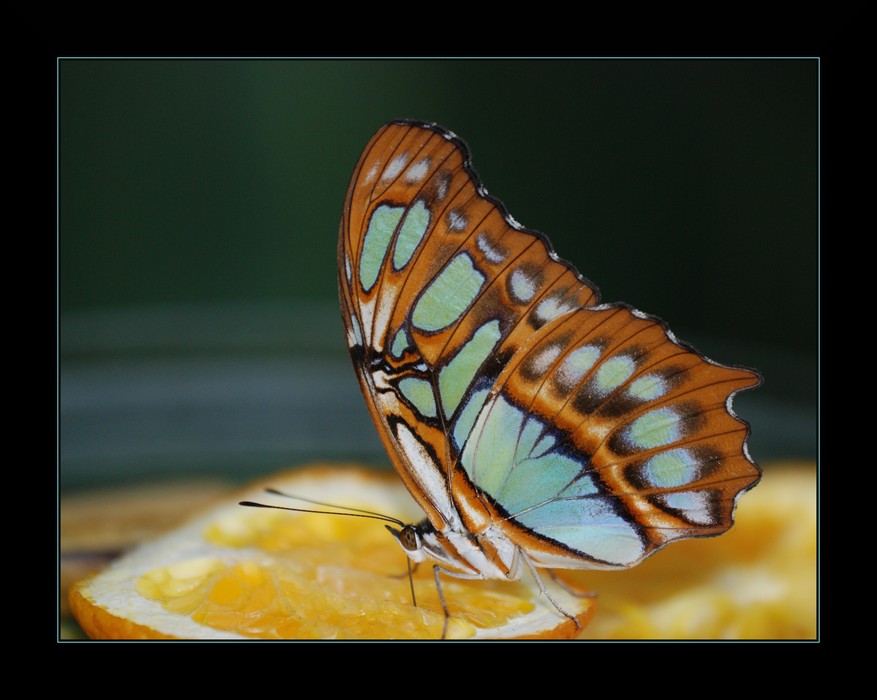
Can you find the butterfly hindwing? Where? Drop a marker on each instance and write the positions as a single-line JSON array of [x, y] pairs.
[[503, 391], [607, 438]]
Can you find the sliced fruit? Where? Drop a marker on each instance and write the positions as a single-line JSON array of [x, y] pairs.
[[98, 526], [237, 573]]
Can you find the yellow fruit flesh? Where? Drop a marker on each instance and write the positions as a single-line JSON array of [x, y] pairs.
[[319, 577]]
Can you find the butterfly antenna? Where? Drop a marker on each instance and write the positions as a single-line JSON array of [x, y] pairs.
[[333, 505], [344, 510]]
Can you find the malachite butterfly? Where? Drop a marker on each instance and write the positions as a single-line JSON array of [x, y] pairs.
[[535, 426]]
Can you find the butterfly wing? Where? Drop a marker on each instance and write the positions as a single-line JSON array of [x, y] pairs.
[[604, 439], [428, 292], [500, 388]]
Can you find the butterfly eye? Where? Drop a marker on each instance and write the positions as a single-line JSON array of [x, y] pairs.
[[408, 537]]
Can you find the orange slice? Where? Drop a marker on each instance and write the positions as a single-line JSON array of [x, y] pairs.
[[242, 573]]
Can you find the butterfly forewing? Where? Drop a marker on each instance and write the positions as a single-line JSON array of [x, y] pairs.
[[505, 395]]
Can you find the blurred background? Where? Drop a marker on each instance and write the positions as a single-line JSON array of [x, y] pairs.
[[199, 203]]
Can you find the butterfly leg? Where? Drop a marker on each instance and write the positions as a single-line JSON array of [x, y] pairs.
[[438, 584], [411, 570], [544, 590], [569, 589]]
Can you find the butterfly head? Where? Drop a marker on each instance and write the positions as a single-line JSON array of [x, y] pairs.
[[410, 537]]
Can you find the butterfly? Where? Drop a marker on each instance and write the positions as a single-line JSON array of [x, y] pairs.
[[536, 427]]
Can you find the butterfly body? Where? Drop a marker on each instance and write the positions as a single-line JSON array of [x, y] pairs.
[[462, 553], [535, 426]]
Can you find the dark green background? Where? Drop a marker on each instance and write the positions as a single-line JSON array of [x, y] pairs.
[[199, 203]]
